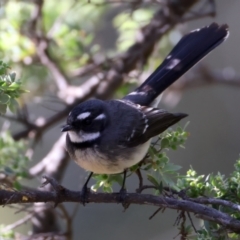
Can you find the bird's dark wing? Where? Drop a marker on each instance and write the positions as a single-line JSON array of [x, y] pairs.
[[154, 122], [136, 126]]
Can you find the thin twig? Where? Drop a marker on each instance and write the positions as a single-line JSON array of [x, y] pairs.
[[155, 213], [18, 223], [191, 221]]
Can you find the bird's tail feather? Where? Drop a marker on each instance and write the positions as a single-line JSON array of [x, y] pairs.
[[188, 51]]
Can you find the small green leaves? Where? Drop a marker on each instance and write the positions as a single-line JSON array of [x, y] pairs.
[[157, 184], [160, 163], [3, 68], [13, 161], [168, 172], [10, 89], [218, 185], [106, 182], [194, 184], [153, 180], [6, 234], [174, 139], [127, 23], [4, 98], [165, 143]]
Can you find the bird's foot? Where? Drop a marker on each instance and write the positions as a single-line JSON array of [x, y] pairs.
[[84, 195], [122, 195], [122, 198], [57, 188]]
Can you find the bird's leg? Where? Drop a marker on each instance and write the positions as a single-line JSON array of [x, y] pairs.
[[124, 180], [139, 174], [122, 192], [84, 190]]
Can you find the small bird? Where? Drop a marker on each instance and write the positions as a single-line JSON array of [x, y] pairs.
[[108, 137]]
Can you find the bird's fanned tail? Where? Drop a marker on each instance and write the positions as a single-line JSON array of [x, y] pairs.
[[188, 51]]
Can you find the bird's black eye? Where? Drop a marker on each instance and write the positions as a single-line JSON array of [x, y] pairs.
[[87, 121]]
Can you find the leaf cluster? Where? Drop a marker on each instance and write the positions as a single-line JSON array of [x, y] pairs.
[[10, 89], [7, 235], [13, 160]]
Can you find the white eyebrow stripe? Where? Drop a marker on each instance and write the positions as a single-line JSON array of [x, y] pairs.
[[82, 136], [83, 115], [101, 116]]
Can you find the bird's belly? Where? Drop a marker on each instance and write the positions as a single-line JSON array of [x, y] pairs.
[[92, 160]]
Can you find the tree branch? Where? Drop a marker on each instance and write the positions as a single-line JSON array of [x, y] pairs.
[[53, 162], [64, 195]]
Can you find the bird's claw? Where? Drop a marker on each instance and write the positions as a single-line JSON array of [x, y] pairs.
[[84, 195]]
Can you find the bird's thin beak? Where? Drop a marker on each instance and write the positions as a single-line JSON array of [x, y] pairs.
[[66, 128]]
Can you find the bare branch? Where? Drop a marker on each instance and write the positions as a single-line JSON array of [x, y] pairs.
[[65, 195], [86, 90], [42, 45], [58, 75], [18, 223], [53, 161], [216, 201]]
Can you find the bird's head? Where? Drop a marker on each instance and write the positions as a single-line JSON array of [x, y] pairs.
[[86, 121]]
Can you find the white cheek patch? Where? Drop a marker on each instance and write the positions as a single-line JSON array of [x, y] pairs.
[[101, 116], [82, 136], [74, 136], [83, 115], [89, 136]]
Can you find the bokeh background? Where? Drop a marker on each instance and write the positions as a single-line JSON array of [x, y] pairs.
[[83, 33]]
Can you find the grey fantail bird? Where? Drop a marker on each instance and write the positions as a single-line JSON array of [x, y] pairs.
[[108, 137]]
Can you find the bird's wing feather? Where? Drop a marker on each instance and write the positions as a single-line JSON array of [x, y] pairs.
[[149, 123]]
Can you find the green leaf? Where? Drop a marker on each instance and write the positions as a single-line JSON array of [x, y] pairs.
[[164, 143], [17, 185], [153, 180], [116, 178], [168, 181], [134, 168], [6, 235], [153, 152], [4, 98], [95, 187], [3, 108], [148, 167], [12, 76], [14, 86], [160, 188], [13, 161], [107, 189], [171, 167], [13, 104]]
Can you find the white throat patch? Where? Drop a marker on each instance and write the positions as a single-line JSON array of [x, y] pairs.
[[82, 136]]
